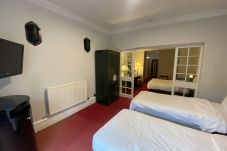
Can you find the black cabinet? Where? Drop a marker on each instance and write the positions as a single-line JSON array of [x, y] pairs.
[[107, 68], [16, 128]]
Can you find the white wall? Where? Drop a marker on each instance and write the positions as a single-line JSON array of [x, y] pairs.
[[59, 59], [212, 31]]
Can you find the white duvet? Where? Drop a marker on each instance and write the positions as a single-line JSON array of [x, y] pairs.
[[211, 117], [134, 131], [160, 84]]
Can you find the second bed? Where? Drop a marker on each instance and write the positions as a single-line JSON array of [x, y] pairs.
[[192, 112]]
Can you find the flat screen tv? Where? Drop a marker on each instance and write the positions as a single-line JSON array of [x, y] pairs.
[[11, 58]]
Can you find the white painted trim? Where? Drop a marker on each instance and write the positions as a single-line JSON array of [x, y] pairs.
[[130, 79], [184, 83], [44, 123], [65, 13], [72, 16]]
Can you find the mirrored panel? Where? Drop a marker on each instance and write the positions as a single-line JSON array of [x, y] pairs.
[[128, 91], [129, 62], [187, 92], [183, 52], [193, 61], [124, 74], [181, 69], [194, 51], [129, 84], [129, 73], [123, 90], [123, 83], [182, 61], [180, 77], [192, 70], [179, 91]]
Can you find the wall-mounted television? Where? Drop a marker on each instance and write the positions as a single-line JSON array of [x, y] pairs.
[[11, 58]]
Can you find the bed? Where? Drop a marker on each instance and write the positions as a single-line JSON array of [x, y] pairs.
[[165, 87], [192, 112], [134, 131], [160, 84]]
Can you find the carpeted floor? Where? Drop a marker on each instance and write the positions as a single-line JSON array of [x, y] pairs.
[[75, 132]]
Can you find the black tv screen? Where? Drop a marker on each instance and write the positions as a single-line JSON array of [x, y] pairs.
[[11, 58]]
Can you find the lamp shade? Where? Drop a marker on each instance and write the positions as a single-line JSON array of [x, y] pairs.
[[124, 68]]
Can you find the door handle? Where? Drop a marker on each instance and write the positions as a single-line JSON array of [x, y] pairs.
[[28, 118], [114, 77]]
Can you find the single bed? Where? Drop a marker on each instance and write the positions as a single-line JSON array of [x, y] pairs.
[[160, 84], [134, 131], [165, 87], [192, 112]]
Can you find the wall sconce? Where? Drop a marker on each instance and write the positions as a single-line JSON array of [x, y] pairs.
[[87, 44], [191, 77], [32, 33]]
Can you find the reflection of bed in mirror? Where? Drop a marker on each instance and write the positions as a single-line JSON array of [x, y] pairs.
[[165, 87]]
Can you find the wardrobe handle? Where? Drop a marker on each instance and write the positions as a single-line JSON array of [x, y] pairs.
[[114, 77]]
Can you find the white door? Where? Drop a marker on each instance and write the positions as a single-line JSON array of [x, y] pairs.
[[186, 73], [127, 74]]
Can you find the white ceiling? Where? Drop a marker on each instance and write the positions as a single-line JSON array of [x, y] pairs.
[[125, 15]]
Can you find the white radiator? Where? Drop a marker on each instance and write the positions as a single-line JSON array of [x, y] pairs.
[[65, 96]]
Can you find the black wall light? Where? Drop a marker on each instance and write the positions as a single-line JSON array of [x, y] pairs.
[[87, 46], [32, 33]]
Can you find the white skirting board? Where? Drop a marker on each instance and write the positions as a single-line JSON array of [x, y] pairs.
[[44, 123]]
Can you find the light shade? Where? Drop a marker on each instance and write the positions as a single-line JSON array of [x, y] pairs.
[[191, 76], [124, 68]]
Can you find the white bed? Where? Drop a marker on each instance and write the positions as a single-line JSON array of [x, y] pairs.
[[165, 87], [192, 112], [160, 84], [134, 131]]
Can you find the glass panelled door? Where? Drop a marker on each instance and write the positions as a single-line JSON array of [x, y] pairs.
[[127, 74], [186, 71]]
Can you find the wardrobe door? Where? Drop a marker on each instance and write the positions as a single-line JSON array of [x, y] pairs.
[[101, 76], [117, 72], [114, 65]]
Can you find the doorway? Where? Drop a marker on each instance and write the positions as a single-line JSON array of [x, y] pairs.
[[154, 68], [177, 67]]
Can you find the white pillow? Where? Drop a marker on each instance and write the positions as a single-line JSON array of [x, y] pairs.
[[224, 102]]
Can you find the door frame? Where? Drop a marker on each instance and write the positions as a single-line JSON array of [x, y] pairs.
[[187, 84], [172, 46], [127, 79]]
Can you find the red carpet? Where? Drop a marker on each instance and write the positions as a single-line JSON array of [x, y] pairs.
[[75, 132], [143, 87]]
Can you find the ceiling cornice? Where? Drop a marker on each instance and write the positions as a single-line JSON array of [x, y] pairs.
[[65, 13], [192, 17]]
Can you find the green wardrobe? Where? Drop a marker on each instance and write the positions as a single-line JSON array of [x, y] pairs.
[[107, 68]]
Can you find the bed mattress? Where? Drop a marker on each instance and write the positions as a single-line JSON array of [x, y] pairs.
[[192, 112], [160, 84], [134, 131]]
